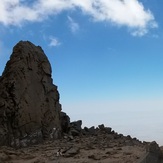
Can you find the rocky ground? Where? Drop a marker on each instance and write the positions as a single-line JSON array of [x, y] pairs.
[[98, 146]]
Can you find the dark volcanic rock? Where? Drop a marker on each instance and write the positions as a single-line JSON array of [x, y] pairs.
[[72, 151], [29, 101], [75, 128], [65, 122]]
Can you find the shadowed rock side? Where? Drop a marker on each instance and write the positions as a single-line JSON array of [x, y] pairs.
[[29, 101]]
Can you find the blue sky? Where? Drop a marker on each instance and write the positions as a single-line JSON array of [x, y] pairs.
[[106, 57]]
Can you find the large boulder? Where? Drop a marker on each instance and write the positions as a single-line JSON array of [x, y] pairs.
[[65, 122], [29, 101], [75, 128]]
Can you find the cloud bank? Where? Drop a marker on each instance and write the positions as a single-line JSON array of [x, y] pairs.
[[129, 13]]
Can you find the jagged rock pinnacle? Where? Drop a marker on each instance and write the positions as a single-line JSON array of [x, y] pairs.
[[29, 101]]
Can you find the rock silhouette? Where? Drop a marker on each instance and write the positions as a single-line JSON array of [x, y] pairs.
[[29, 101]]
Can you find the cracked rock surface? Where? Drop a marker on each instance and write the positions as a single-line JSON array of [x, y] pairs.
[[29, 101]]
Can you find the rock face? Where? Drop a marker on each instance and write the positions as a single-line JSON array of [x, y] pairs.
[[153, 154], [65, 122], [29, 101]]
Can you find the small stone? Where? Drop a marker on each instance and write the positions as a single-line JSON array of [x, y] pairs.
[[72, 152], [94, 157]]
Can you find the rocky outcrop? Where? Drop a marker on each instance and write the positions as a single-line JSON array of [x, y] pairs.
[[103, 147], [70, 128], [65, 122], [75, 128], [29, 101], [153, 154]]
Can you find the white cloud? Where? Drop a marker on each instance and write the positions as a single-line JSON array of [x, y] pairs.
[[54, 42], [139, 32], [129, 13], [13, 13], [74, 26]]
